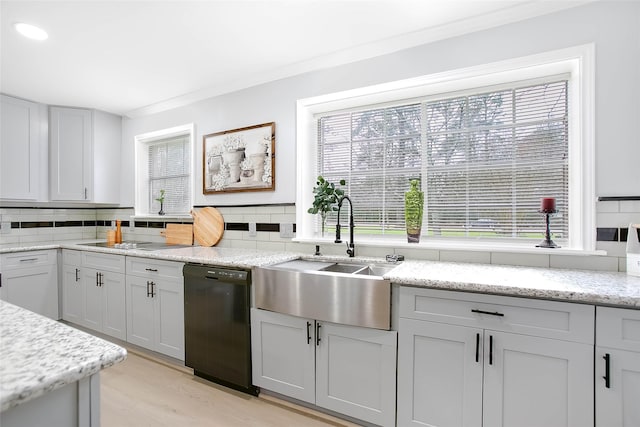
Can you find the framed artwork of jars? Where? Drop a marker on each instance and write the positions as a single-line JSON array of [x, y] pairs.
[[239, 159]]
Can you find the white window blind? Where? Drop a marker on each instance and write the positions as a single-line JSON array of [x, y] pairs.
[[484, 160], [169, 170]]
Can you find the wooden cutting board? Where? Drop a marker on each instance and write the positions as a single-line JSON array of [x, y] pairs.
[[208, 226], [178, 234]]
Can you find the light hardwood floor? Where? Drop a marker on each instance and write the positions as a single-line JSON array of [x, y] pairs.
[[145, 391]]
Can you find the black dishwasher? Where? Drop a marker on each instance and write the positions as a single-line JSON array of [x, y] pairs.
[[217, 325]]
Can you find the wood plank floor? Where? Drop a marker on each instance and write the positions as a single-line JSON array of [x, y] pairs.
[[145, 391]]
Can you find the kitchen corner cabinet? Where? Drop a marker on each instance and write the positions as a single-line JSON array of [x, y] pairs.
[[155, 305], [20, 137], [85, 155], [346, 369], [30, 280], [483, 360], [617, 367], [93, 291]]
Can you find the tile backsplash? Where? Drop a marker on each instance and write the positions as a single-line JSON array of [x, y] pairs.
[[43, 225]]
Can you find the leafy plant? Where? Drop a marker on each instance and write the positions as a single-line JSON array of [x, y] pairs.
[[161, 198], [326, 196]]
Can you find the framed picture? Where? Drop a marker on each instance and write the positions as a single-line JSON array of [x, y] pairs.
[[239, 159]]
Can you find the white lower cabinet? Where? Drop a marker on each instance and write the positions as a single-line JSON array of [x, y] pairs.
[[93, 291], [481, 360], [30, 280], [155, 305], [617, 367], [346, 369]]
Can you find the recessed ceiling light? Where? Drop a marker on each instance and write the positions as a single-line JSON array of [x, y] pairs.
[[31, 31]]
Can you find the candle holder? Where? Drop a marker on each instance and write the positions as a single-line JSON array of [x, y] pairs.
[[547, 242]]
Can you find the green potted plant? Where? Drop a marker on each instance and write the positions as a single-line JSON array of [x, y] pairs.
[[161, 200], [413, 208], [326, 196]]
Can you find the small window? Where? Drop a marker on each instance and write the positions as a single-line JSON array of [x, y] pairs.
[[164, 163]]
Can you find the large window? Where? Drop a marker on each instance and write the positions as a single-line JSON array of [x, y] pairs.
[[485, 160], [164, 162], [486, 145]]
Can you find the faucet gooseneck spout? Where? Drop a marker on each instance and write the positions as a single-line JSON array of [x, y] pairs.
[[351, 248]]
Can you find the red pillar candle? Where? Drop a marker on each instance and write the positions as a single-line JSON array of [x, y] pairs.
[[548, 204]]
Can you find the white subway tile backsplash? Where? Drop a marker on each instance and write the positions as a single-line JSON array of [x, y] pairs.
[[620, 219], [617, 249], [527, 260], [466, 256], [271, 246], [630, 206], [612, 206], [602, 263]]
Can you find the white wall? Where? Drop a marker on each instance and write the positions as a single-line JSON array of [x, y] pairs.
[[614, 28]]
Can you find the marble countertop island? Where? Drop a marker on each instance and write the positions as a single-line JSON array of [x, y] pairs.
[[39, 355]]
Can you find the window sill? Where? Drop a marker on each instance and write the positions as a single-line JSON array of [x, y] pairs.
[[432, 244]]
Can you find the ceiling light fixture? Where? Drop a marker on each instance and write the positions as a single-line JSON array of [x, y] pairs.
[[31, 31]]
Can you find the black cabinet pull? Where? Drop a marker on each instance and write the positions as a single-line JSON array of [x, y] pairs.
[[153, 289], [492, 313], [607, 370], [101, 279], [477, 347], [308, 332], [490, 349], [148, 292], [318, 326], [77, 272], [97, 279], [151, 269]]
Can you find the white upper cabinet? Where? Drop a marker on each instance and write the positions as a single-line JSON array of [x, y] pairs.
[[21, 149], [85, 155]]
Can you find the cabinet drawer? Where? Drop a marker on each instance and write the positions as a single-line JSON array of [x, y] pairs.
[[103, 262], [70, 257], [618, 328], [29, 259], [552, 319], [147, 267]]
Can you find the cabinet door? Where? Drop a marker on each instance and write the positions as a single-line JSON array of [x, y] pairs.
[[71, 153], [356, 372], [92, 303], [114, 314], [532, 381], [169, 317], [439, 374], [72, 294], [283, 354], [140, 312], [34, 288], [618, 402], [19, 166]]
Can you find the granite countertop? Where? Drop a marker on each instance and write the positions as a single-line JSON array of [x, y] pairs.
[[39, 355], [590, 287]]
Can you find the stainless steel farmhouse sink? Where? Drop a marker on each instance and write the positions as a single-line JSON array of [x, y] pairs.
[[344, 293]]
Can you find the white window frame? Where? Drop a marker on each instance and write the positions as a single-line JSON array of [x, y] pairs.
[[142, 143], [578, 62]]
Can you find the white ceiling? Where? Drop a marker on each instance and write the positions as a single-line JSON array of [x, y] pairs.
[[138, 57]]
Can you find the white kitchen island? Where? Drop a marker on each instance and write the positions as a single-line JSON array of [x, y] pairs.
[[49, 372]]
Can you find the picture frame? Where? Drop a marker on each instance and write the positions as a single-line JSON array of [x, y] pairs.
[[239, 159]]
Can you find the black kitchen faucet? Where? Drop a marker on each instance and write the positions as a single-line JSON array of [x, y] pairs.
[[351, 248]]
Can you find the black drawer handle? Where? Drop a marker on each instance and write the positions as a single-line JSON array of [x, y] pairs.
[[28, 259], [155, 270], [318, 326], [490, 349], [607, 370], [491, 313], [308, 332]]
